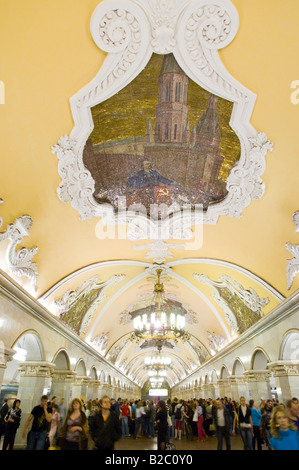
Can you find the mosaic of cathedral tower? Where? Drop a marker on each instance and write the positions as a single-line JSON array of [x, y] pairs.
[[174, 164]]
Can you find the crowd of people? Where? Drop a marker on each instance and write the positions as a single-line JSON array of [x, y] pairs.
[[99, 423]]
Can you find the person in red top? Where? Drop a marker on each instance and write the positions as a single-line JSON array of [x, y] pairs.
[[125, 413]]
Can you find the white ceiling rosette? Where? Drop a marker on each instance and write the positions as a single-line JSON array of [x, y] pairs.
[[130, 31]]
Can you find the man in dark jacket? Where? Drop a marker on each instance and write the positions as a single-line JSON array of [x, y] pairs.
[[3, 412], [221, 419], [105, 426]]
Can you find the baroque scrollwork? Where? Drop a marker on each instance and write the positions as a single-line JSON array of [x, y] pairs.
[[20, 261], [241, 307], [77, 307], [130, 31], [293, 264]]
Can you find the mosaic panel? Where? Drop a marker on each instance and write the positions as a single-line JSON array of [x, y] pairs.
[[161, 140]]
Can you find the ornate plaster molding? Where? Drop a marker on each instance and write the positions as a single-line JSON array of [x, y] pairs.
[[70, 298], [130, 31], [293, 264], [36, 369], [284, 368], [248, 297], [101, 342], [19, 261], [257, 375], [216, 342], [159, 250]]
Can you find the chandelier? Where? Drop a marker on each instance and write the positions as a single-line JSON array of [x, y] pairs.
[[161, 321], [157, 363], [157, 373], [156, 383]]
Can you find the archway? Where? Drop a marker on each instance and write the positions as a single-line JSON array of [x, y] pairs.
[[27, 347]]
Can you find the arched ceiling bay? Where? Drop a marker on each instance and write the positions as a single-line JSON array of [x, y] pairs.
[[233, 277]]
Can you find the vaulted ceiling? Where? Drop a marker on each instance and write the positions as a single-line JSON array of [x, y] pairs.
[[228, 277]]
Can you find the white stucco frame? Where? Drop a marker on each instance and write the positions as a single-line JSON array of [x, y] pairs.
[[130, 31]]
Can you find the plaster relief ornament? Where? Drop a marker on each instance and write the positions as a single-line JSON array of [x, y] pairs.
[[163, 126], [77, 308], [100, 343], [293, 264], [242, 307], [116, 351], [216, 342], [19, 261]]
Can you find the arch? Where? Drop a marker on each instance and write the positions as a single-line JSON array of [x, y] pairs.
[[289, 349], [30, 342], [214, 377], [27, 347], [259, 360], [238, 367], [109, 380], [102, 376], [81, 368], [224, 374], [207, 379], [93, 373], [62, 360]]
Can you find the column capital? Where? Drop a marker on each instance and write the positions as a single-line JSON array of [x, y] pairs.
[[81, 380], [63, 376], [284, 368], [6, 355], [239, 379], [36, 369], [257, 375], [94, 383]]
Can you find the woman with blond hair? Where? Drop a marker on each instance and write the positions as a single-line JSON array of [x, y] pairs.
[[285, 435], [74, 431]]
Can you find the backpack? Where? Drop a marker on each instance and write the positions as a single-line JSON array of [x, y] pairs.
[[178, 413]]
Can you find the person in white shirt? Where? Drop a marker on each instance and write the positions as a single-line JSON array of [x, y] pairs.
[[221, 419]]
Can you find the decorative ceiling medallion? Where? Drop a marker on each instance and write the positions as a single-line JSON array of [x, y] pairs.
[[120, 178]]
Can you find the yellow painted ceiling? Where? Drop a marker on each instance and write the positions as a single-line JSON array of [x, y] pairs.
[[47, 54]]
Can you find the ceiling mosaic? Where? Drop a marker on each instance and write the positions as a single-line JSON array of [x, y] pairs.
[[161, 124]]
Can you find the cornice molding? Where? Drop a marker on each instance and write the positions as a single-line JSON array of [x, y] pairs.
[[287, 308], [32, 307]]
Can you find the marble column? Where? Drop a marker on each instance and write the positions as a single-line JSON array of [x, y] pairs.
[[62, 381], [102, 390], [224, 387], [206, 392], [110, 391], [214, 390], [79, 387], [35, 381], [239, 387], [6, 356], [286, 375], [258, 384], [93, 389]]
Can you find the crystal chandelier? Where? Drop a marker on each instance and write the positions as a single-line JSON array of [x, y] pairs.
[[159, 361], [161, 321], [156, 383], [157, 373]]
